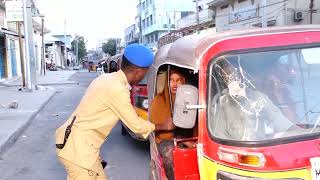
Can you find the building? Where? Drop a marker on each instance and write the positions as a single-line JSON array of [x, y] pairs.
[[243, 14], [158, 17], [66, 43], [10, 61], [131, 35], [54, 50], [191, 24], [206, 15]]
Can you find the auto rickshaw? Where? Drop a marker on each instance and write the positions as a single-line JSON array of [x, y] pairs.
[[255, 104], [92, 66], [114, 63]]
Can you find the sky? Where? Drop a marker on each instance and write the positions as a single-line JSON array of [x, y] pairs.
[[93, 19]]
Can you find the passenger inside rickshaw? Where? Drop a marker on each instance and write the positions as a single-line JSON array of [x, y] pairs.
[[161, 115], [113, 67], [244, 108]]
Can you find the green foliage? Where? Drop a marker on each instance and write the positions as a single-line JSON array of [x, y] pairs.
[[82, 50], [110, 47]]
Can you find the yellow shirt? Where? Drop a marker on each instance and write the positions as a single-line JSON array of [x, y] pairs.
[[106, 100]]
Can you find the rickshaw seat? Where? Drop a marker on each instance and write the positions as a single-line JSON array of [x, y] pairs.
[[185, 161]]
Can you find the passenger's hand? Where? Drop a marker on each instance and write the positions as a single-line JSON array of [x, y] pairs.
[[189, 144]]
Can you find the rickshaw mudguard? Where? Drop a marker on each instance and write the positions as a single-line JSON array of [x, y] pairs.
[[210, 170], [185, 163]]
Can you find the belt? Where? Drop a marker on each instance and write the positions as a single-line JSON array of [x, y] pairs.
[[66, 134]]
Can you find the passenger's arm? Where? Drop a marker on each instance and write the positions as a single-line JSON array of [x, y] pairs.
[[119, 102]]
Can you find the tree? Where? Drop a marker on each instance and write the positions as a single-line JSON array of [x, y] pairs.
[[82, 49], [110, 47]]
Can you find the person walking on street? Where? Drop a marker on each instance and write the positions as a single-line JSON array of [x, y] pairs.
[[106, 101]]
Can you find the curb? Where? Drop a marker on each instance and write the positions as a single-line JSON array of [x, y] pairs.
[[14, 137], [44, 84]]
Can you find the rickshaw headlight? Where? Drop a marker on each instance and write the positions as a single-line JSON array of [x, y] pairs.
[[251, 159], [145, 104]]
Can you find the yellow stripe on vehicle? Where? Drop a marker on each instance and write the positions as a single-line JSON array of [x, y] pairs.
[[210, 168]]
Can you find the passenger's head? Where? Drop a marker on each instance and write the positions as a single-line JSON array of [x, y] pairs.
[[136, 60], [176, 78]]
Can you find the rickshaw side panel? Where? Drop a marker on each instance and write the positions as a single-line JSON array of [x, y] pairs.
[[185, 164]]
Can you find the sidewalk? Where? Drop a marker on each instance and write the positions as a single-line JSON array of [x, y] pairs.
[[51, 78], [14, 121]]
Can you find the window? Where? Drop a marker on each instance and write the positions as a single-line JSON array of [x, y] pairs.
[[156, 37], [143, 23], [143, 6], [147, 3], [147, 21], [151, 22], [224, 6]]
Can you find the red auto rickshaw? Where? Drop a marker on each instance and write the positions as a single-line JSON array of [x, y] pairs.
[[254, 100]]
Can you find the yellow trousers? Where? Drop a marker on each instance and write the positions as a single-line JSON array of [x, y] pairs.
[[76, 172]]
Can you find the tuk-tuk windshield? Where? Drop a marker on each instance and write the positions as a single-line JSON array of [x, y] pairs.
[[265, 95]]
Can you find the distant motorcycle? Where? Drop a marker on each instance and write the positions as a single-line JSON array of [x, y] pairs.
[[51, 67]]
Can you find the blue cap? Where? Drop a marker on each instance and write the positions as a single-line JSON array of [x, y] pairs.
[[139, 55]]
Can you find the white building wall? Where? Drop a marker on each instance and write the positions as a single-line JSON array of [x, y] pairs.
[[161, 11], [278, 11]]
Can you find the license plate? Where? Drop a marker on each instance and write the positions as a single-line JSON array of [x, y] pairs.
[[315, 168]]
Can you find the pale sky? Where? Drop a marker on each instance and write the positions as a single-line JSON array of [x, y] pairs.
[[93, 19]]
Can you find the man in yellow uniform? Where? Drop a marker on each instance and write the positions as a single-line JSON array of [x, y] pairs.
[[106, 101]]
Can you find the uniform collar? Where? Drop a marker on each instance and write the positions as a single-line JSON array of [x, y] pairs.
[[124, 79]]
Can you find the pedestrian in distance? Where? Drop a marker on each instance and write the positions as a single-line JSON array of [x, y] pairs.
[[106, 101]]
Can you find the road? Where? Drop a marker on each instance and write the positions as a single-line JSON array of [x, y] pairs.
[[33, 156]]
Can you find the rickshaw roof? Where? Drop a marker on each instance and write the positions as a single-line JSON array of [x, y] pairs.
[[188, 51], [115, 58], [161, 55]]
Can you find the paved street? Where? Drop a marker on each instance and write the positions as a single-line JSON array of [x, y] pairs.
[[32, 156]]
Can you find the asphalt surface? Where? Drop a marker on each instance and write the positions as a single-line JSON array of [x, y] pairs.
[[33, 156]]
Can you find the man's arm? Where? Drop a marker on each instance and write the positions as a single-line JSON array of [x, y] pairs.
[[119, 102]]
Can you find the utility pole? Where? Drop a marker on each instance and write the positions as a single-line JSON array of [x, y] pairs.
[[311, 10], [65, 44], [264, 14], [30, 61], [197, 15], [43, 64], [21, 56], [140, 22], [77, 50]]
